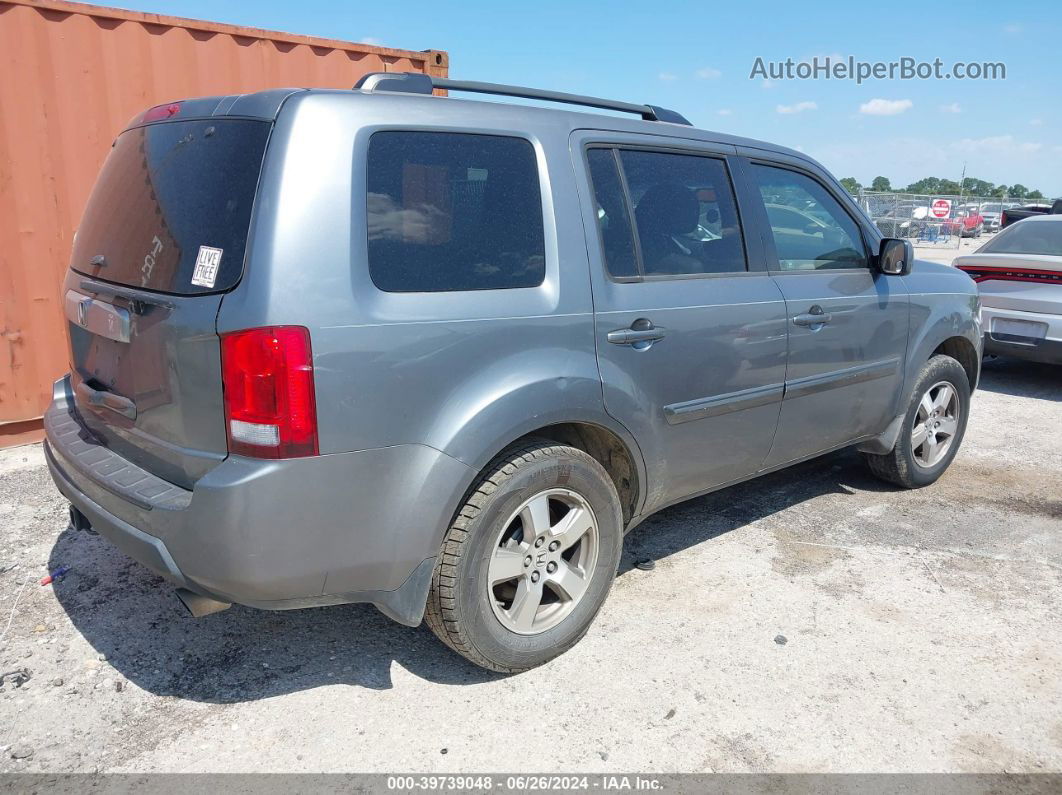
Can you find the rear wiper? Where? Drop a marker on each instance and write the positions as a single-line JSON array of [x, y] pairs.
[[136, 298]]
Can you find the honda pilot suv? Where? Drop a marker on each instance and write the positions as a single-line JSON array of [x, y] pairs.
[[439, 355]]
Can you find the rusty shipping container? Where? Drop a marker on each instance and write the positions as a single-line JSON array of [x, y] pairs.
[[71, 77]]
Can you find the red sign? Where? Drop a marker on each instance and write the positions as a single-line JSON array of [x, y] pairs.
[[941, 208]]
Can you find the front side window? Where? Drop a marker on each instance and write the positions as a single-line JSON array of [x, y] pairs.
[[453, 211], [811, 230]]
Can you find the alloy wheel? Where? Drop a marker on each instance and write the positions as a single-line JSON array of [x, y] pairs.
[[935, 424], [542, 561]]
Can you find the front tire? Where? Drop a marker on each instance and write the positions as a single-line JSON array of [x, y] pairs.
[[529, 559], [933, 427]]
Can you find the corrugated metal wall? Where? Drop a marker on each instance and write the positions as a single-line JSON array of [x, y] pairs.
[[71, 76]]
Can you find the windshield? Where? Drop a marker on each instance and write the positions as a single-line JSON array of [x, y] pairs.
[[171, 207], [1028, 237]]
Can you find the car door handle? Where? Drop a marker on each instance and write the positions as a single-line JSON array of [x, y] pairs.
[[99, 398], [633, 336], [816, 317]]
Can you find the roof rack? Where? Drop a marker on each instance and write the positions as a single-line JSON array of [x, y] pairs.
[[416, 83]]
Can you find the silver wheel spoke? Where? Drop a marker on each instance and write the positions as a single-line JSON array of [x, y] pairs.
[[926, 406], [507, 564], [525, 605], [569, 581], [918, 436], [943, 399], [535, 518], [575, 524], [932, 449]]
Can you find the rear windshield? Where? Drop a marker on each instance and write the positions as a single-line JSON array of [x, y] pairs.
[[1028, 237], [171, 206]]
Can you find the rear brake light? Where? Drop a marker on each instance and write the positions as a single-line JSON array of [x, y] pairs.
[[167, 111], [270, 409]]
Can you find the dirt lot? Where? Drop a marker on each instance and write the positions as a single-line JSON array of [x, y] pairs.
[[813, 620], [945, 254]]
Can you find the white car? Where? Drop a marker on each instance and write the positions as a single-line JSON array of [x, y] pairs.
[[1019, 275]]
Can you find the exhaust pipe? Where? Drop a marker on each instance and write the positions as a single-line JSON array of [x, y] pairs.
[[78, 520], [199, 605]]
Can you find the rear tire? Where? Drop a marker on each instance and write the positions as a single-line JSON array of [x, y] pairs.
[[529, 559], [933, 427]]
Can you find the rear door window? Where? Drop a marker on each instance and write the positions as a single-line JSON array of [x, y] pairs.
[[613, 220], [172, 205], [685, 213], [685, 219], [453, 211]]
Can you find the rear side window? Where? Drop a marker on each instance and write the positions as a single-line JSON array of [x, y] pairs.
[[171, 207], [453, 211]]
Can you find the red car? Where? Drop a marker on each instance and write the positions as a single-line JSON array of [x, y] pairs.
[[965, 222]]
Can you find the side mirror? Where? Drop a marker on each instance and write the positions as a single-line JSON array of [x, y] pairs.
[[895, 256]]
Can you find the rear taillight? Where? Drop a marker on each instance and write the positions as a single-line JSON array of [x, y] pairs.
[[270, 409]]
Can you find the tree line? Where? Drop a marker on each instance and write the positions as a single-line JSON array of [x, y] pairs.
[[971, 186]]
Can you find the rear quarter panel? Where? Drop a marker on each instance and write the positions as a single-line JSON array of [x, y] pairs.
[[462, 372]]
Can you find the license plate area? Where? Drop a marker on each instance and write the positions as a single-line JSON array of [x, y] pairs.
[[1006, 329]]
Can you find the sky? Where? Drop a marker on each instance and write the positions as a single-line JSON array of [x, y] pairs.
[[697, 59]]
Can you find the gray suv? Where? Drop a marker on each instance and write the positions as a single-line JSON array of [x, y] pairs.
[[440, 355]]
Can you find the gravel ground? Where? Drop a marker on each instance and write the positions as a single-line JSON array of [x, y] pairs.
[[945, 254], [812, 620]]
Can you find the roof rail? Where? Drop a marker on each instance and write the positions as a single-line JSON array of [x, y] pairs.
[[417, 83]]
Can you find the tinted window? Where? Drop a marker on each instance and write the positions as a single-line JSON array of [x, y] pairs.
[[613, 220], [450, 211], [171, 194], [1028, 237], [685, 213], [811, 229]]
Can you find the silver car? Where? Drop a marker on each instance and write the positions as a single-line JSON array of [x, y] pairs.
[[1019, 274], [991, 220], [440, 355]]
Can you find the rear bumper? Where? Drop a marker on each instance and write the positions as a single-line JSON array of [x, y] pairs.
[[347, 527], [1042, 342]]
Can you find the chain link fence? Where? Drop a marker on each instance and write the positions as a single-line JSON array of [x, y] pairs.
[[939, 220]]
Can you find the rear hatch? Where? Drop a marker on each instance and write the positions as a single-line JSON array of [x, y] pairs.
[[162, 238]]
